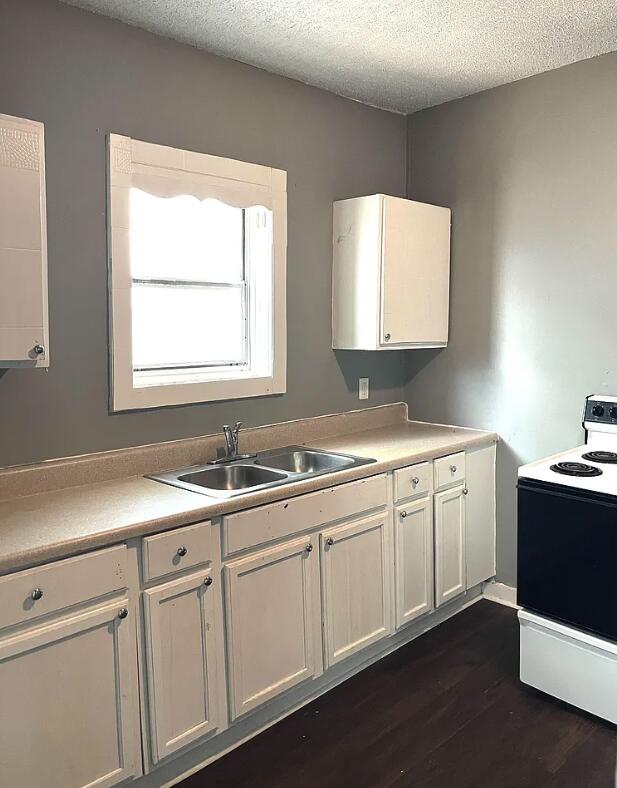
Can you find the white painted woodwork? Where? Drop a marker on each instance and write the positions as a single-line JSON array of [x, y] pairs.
[[23, 244], [63, 584], [68, 694], [275, 521], [449, 470], [272, 611], [413, 481], [356, 593], [480, 514], [181, 630], [177, 550], [450, 578], [413, 559], [391, 274]]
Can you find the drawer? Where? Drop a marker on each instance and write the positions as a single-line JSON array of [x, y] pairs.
[[449, 470], [52, 587], [266, 524], [174, 551], [413, 480]]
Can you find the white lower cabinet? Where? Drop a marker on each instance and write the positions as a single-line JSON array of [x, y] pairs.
[[450, 579], [273, 633], [69, 702], [413, 559], [356, 576], [181, 637], [480, 515]]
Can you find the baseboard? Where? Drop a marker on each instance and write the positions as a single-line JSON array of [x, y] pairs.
[[500, 592]]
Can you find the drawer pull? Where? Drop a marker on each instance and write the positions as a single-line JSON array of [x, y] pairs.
[[453, 468], [403, 515], [309, 548], [182, 551], [123, 613], [329, 541], [208, 581], [415, 480], [465, 491], [37, 593]]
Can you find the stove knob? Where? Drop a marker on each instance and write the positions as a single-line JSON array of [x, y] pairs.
[[613, 412], [598, 410]]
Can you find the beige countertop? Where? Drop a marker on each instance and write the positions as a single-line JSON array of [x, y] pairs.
[[57, 523]]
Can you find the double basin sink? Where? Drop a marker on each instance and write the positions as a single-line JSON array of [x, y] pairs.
[[265, 470]]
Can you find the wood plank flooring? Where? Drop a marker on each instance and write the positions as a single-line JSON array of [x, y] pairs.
[[445, 711]]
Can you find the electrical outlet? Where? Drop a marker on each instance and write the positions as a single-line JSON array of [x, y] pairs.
[[362, 388]]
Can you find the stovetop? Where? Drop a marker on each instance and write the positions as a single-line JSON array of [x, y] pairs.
[[584, 468]]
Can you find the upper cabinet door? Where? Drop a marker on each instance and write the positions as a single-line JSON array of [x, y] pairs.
[[23, 244], [273, 622], [415, 273], [71, 688], [356, 581], [181, 661]]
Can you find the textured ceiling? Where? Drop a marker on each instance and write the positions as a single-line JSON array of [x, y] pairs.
[[398, 54]]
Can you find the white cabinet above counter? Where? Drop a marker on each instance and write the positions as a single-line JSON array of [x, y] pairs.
[[391, 274]]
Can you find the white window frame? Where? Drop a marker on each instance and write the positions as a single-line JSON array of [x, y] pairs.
[[169, 171]]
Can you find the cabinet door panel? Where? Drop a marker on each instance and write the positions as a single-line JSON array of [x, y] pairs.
[[480, 515], [413, 555], [449, 544], [181, 661], [272, 609], [415, 272], [356, 586], [71, 690]]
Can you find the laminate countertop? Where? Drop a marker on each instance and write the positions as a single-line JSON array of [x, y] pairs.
[[57, 523]]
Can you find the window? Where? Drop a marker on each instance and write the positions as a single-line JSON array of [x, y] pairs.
[[197, 272]]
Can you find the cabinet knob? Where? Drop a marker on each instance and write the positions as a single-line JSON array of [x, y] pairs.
[[465, 491], [403, 515], [208, 581], [309, 548], [182, 551], [453, 468], [415, 480], [38, 350], [37, 593], [329, 541], [123, 612], [387, 337]]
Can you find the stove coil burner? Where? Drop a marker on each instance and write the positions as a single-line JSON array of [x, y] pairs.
[[601, 456], [575, 469]]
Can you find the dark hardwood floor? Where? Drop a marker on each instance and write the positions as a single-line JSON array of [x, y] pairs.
[[446, 711]]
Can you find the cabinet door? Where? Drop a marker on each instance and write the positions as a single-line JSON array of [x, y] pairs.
[[449, 544], [180, 655], [273, 624], [413, 558], [356, 588], [480, 515], [69, 699], [415, 273]]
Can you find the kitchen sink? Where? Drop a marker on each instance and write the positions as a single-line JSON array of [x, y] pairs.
[[231, 477], [268, 469], [306, 461]]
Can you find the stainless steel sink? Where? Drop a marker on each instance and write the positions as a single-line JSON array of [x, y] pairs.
[[231, 477], [306, 461], [268, 469]]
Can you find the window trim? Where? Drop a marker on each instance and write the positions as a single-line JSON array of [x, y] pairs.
[[131, 162]]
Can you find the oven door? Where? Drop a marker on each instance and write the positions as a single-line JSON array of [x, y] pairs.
[[567, 556]]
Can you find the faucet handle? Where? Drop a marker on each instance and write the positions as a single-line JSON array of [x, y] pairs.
[[237, 426]]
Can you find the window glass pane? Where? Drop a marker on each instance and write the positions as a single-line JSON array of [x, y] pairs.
[[187, 325], [185, 238]]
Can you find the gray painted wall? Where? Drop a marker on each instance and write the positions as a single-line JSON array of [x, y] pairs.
[[85, 76], [530, 172]]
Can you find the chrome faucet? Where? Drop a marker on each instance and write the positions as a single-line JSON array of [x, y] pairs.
[[231, 441]]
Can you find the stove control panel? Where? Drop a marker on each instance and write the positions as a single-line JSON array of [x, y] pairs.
[[601, 411]]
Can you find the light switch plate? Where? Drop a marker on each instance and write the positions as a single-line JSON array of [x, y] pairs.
[[362, 388]]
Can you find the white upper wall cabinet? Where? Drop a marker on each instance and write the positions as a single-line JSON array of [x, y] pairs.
[[23, 245], [391, 274]]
